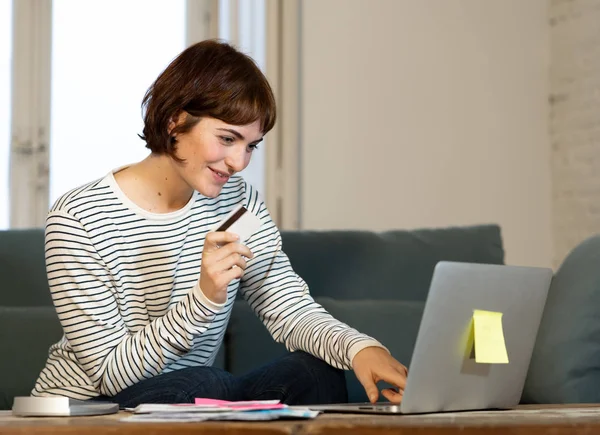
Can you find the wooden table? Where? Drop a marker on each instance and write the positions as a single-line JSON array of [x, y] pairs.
[[525, 420]]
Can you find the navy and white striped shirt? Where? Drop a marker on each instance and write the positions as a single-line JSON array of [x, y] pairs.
[[121, 280]]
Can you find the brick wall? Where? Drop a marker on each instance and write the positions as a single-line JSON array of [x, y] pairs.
[[575, 121]]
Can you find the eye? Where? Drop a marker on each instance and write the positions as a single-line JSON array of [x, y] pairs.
[[228, 139], [253, 147]]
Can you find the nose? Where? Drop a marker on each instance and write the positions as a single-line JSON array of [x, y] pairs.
[[237, 159]]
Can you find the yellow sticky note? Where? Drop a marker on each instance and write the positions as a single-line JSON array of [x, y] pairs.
[[489, 337]]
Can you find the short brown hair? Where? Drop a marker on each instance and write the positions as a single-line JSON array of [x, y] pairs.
[[210, 78]]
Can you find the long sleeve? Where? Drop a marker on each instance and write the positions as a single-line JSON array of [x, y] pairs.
[[92, 311], [281, 299]]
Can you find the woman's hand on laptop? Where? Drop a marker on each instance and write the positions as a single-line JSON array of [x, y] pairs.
[[373, 364]]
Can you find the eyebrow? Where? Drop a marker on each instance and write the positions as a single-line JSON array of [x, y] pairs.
[[238, 134]]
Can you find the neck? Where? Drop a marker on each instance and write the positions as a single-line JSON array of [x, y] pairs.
[[155, 185]]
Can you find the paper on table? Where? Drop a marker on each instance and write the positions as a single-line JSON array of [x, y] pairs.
[[260, 415], [148, 408], [250, 405], [207, 405], [489, 337]]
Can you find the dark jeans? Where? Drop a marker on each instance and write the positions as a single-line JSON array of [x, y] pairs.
[[295, 379]]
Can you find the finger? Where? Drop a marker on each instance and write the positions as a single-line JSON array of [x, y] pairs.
[[392, 395], [395, 377], [369, 386], [235, 248], [231, 274], [216, 239], [394, 390], [232, 249], [238, 248], [230, 261], [401, 368]]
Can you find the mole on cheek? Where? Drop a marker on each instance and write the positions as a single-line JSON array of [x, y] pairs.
[[159, 194]]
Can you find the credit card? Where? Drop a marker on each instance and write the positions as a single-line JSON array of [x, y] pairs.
[[240, 221]]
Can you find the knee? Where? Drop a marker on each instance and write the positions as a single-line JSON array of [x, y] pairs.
[[207, 382], [328, 382]]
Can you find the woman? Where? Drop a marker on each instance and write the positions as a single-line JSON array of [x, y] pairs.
[[144, 290]]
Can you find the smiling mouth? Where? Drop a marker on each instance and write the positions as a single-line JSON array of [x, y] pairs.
[[222, 175]]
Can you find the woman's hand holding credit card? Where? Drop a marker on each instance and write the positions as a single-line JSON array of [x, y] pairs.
[[224, 254]]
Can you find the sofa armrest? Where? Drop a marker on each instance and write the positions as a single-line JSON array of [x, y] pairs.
[[565, 365]]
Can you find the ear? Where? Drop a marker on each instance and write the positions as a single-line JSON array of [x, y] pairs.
[[171, 125], [175, 120]]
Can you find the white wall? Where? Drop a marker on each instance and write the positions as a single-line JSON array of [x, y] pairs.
[[427, 114], [575, 122]]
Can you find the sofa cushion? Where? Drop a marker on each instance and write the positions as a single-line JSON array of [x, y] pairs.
[[23, 269], [386, 265], [248, 342], [565, 365], [26, 333], [394, 323], [220, 358]]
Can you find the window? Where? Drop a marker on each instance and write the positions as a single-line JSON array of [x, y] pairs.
[[105, 55], [5, 103], [243, 24]]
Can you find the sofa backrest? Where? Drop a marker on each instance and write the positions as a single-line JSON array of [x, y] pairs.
[[23, 281], [335, 264], [394, 264]]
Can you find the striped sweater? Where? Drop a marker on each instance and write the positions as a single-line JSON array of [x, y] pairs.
[[122, 281]]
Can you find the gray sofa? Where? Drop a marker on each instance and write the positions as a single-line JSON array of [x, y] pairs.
[[375, 282]]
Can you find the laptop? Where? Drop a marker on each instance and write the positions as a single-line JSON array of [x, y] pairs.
[[443, 373]]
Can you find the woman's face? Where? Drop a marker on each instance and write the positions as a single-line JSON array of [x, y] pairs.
[[213, 151]]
